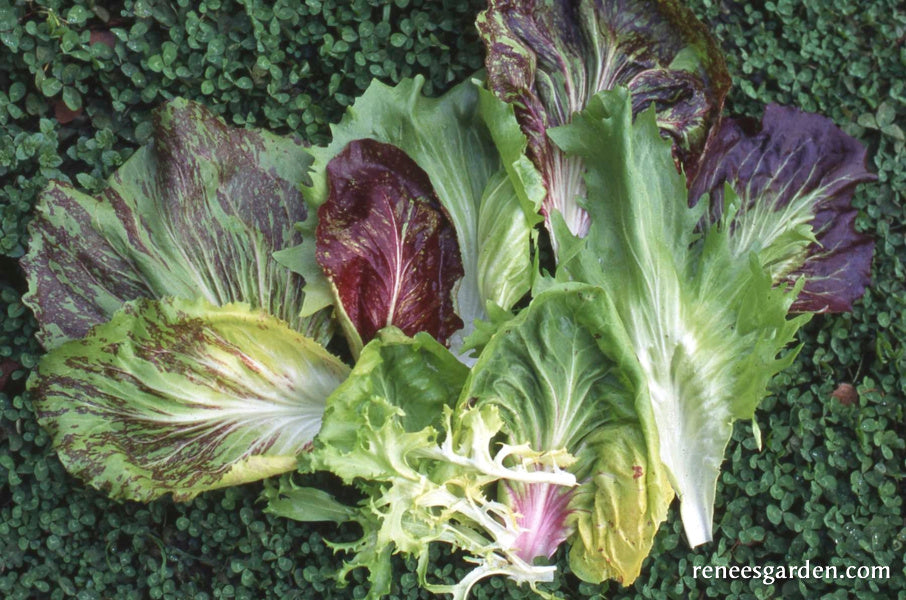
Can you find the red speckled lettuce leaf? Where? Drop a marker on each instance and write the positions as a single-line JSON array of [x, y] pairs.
[[197, 213], [178, 397], [794, 174], [549, 57], [387, 246]]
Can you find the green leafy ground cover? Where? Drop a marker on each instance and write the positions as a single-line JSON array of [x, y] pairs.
[[77, 82]]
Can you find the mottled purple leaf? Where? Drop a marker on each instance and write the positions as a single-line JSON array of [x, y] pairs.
[[799, 170], [387, 245], [197, 213], [549, 57]]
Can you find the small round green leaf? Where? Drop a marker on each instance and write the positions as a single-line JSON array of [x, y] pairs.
[[72, 98], [77, 15], [16, 91], [51, 87]]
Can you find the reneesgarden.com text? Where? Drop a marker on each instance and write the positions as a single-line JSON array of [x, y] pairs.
[[768, 574]]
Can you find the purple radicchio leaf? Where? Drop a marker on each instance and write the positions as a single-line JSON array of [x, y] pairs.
[[549, 57], [387, 245], [794, 169]]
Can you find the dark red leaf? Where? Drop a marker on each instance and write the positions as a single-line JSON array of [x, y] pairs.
[[386, 243], [7, 366], [63, 113]]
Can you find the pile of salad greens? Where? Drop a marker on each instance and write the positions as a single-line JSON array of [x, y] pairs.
[[521, 315]]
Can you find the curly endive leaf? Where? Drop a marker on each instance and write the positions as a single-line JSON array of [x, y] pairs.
[[180, 397], [424, 471], [197, 213]]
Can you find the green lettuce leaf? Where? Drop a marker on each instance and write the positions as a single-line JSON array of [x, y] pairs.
[[504, 262], [195, 214], [448, 140], [563, 376], [512, 144], [180, 397], [706, 325], [301, 503]]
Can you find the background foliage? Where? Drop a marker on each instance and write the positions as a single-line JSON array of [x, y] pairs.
[[77, 82]]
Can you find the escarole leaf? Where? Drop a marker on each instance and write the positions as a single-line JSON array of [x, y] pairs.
[[511, 143], [706, 324], [447, 139], [563, 376], [504, 262], [195, 214], [549, 57], [180, 397], [387, 246], [794, 175], [424, 469]]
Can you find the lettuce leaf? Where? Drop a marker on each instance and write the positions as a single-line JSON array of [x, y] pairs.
[[549, 57], [706, 324], [448, 140], [794, 175], [195, 214], [180, 397], [563, 376], [387, 246]]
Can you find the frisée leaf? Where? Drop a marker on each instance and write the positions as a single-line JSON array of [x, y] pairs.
[[427, 471]]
